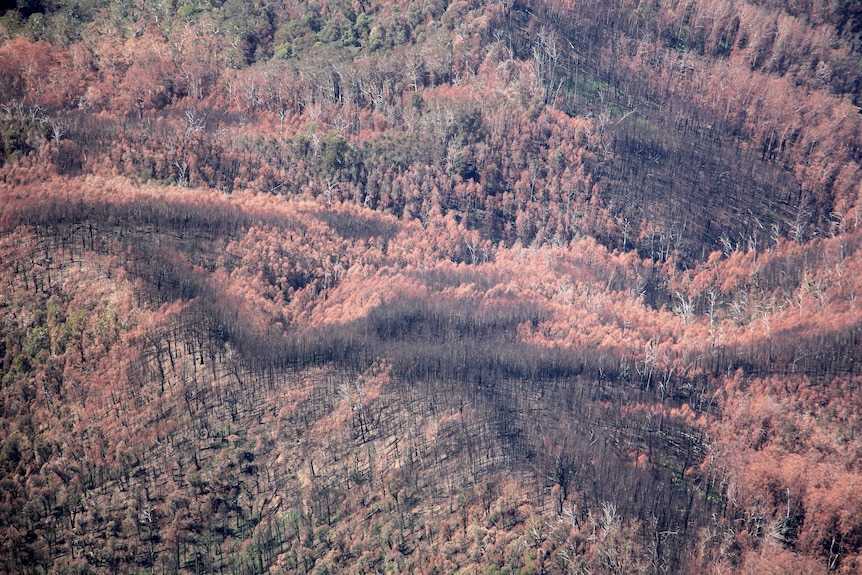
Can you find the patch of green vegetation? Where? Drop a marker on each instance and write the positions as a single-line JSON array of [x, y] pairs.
[[592, 89]]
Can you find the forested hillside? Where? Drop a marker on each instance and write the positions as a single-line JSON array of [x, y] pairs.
[[441, 287]]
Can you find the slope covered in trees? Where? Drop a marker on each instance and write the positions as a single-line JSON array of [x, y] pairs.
[[509, 287]]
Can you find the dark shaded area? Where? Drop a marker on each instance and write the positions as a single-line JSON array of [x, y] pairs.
[[695, 175]]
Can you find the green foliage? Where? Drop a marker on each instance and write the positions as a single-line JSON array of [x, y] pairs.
[[10, 452], [20, 364], [55, 312], [283, 51], [331, 31], [343, 28], [255, 27], [376, 38], [14, 140], [468, 126], [336, 153], [191, 9], [11, 22], [107, 328], [60, 22], [69, 332], [39, 340]]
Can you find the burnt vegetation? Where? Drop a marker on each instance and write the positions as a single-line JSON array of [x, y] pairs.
[[485, 287]]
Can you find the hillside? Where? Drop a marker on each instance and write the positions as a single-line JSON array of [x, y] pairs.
[[473, 287]]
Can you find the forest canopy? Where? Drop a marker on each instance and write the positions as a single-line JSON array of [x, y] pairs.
[[447, 286]]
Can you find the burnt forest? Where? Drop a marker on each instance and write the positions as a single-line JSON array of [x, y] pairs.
[[467, 287]]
